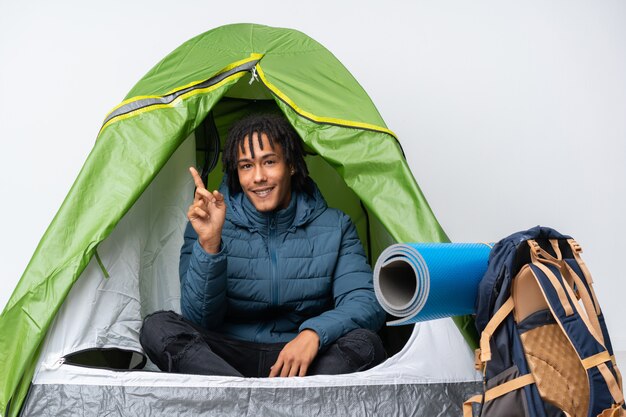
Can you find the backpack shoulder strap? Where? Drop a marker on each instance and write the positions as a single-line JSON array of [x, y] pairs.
[[581, 330]]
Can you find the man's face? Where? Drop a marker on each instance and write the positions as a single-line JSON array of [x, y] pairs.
[[266, 178]]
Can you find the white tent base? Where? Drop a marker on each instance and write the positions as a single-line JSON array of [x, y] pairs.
[[436, 399]]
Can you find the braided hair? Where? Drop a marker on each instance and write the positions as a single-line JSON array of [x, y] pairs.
[[278, 131]]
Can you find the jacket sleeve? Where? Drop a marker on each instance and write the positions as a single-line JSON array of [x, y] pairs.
[[353, 291], [202, 282]]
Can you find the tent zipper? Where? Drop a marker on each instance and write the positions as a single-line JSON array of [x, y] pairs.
[[254, 76], [143, 102]]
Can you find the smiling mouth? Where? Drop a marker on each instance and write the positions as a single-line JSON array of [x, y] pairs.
[[263, 193]]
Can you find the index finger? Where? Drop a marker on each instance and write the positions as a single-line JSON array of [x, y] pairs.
[[196, 178]]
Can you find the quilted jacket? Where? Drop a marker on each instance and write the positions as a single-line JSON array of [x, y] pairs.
[[279, 273]]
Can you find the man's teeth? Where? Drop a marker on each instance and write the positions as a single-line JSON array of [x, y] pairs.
[[263, 193]]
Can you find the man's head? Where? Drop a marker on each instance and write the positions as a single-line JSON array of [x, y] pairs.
[[263, 157]]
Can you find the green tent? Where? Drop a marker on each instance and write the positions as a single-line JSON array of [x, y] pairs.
[[190, 99]]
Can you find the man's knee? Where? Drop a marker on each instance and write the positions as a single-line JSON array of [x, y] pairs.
[[158, 327], [164, 336], [362, 348]]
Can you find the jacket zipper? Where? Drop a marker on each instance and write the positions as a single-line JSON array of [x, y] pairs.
[[273, 262]]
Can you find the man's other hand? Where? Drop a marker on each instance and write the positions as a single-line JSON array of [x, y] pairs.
[[207, 215], [297, 355]]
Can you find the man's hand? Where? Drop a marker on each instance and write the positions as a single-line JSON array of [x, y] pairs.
[[207, 214], [297, 355]]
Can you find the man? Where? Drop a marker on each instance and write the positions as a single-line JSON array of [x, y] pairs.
[[273, 282]]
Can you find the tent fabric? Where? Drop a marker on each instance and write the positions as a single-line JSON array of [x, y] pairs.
[[410, 383], [325, 104], [439, 399], [137, 273]]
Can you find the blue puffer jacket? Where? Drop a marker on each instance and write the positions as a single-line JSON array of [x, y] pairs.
[[280, 273]]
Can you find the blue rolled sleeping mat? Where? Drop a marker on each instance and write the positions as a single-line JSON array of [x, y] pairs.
[[426, 281]]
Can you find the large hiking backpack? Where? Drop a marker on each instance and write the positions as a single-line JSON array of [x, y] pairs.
[[544, 347]]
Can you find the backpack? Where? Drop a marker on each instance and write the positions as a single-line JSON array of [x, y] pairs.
[[544, 346]]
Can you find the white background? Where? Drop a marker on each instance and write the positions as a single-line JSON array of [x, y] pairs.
[[511, 113]]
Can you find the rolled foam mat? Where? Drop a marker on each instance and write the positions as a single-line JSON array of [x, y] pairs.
[[426, 281]]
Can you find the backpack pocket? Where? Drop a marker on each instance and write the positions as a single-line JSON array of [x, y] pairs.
[[559, 376], [511, 404]]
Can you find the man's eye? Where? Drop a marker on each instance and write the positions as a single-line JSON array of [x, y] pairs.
[[270, 162], [245, 166]]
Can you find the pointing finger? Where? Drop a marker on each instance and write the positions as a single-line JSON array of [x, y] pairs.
[[196, 178]]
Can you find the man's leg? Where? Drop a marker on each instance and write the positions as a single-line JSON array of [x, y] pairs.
[[176, 345], [358, 350], [250, 358]]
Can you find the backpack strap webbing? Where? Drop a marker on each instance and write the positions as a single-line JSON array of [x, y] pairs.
[[590, 318], [576, 251], [612, 384], [563, 286], [492, 326], [596, 360], [497, 391], [590, 300], [535, 251]]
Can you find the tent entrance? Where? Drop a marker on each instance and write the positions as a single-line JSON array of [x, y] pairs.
[[113, 358], [244, 99]]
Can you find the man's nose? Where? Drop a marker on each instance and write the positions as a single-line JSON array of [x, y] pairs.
[[259, 174]]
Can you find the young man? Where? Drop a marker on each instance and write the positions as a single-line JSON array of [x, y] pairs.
[[273, 282]]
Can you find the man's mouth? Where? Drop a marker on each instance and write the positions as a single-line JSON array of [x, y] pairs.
[[264, 192]]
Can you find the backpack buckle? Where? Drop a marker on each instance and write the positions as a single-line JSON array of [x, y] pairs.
[[575, 246], [478, 363], [534, 247]]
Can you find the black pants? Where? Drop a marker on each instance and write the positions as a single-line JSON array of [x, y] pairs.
[[176, 345]]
